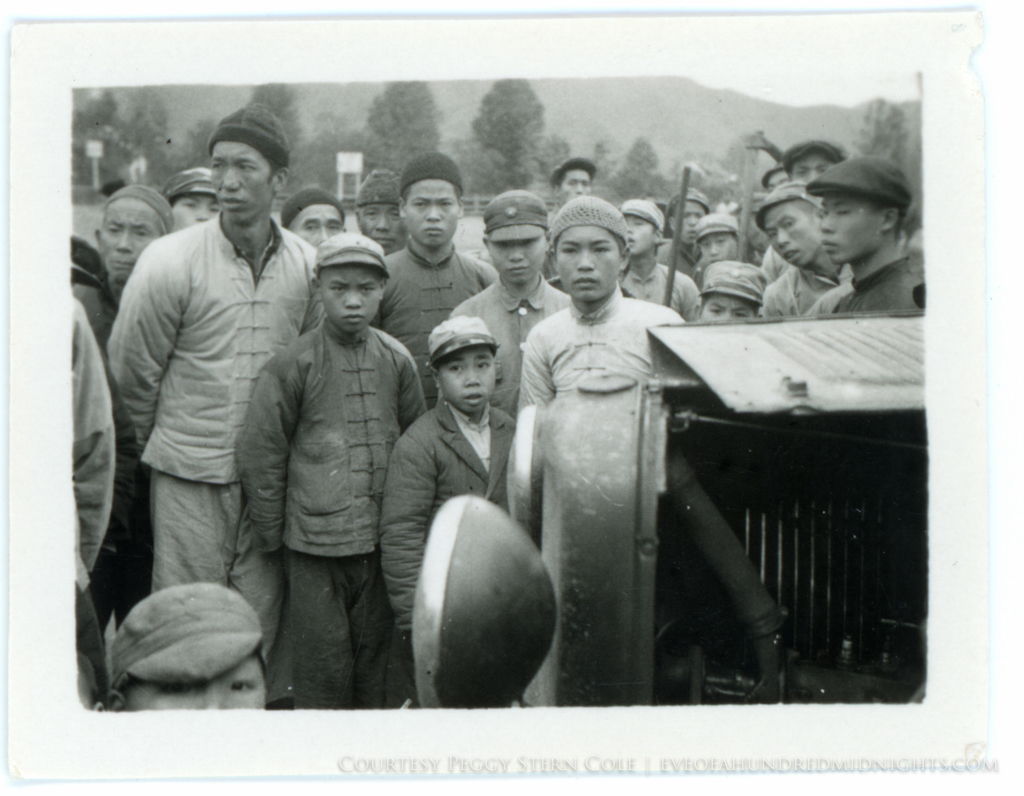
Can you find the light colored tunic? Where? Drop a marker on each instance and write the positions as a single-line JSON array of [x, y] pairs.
[[797, 290], [685, 295]]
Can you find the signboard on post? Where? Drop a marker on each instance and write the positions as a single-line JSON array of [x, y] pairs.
[[94, 151], [349, 167]]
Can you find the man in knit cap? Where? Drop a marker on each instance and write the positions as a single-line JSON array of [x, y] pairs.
[[429, 278], [601, 332], [718, 239], [516, 236], [190, 647], [314, 215], [864, 203], [192, 197], [205, 310], [377, 210], [645, 277], [789, 217]]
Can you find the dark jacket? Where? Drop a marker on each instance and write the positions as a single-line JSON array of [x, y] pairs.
[[431, 463]]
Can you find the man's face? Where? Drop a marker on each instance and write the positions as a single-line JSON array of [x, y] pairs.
[[431, 211], [720, 308], [351, 295], [245, 181], [852, 229], [777, 179], [466, 379], [383, 223], [719, 246], [795, 232], [692, 215], [129, 226], [316, 223], [589, 263], [643, 236], [240, 687], [576, 182], [811, 165], [519, 261], [193, 208]]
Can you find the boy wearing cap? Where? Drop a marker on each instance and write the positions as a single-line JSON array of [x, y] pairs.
[[601, 332], [864, 202], [515, 233], [429, 278], [697, 206], [192, 197], [191, 647], [718, 239], [789, 217], [459, 447], [314, 215], [324, 416], [205, 309], [733, 291], [645, 277], [808, 160], [377, 210]]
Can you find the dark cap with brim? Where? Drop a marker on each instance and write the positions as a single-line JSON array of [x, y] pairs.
[[831, 151], [350, 248], [732, 278], [875, 179], [515, 215], [190, 181], [573, 164]]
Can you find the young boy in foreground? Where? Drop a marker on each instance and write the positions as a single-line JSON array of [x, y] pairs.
[[313, 457], [732, 291], [459, 447]]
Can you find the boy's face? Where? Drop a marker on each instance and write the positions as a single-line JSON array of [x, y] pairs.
[[240, 687], [589, 263], [795, 232], [383, 223], [317, 223], [643, 236], [852, 229], [129, 226], [466, 379], [351, 295], [519, 261], [193, 208], [692, 214], [719, 246], [431, 211], [810, 166], [720, 308]]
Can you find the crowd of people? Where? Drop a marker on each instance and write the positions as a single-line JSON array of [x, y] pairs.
[[268, 415]]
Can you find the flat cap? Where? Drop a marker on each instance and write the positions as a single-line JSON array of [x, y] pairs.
[[433, 166], [457, 333], [831, 151], [197, 180], [787, 192], [692, 195], [572, 164], [646, 210], [766, 178], [308, 197], [350, 248], [256, 126], [515, 215], [717, 222], [151, 197], [733, 278], [185, 634], [379, 188], [876, 179], [589, 211]]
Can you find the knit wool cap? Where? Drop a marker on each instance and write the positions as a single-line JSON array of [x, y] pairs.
[[833, 152], [185, 634], [197, 180], [515, 215], [646, 210], [733, 278], [379, 188], [572, 164], [589, 211], [350, 248], [308, 197], [458, 333], [787, 192], [256, 126], [717, 222], [151, 197], [434, 166], [875, 179]]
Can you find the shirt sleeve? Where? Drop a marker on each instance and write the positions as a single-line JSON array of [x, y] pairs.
[[537, 385], [411, 403], [686, 298]]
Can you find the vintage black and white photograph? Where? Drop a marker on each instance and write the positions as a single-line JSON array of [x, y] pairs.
[[413, 394]]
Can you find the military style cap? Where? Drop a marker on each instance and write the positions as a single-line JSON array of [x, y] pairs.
[[197, 180], [875, 179], [515, 215], [256, 126], [732, 278], [692, 195], [433, 166], [643, 209], [717, 222], [379, 188], [308, 197], [767, 178], [350, 248], [572, 164], [589, 211], [833, 152], [185, 634], [458, 333], [151, 197], [787, 192]]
